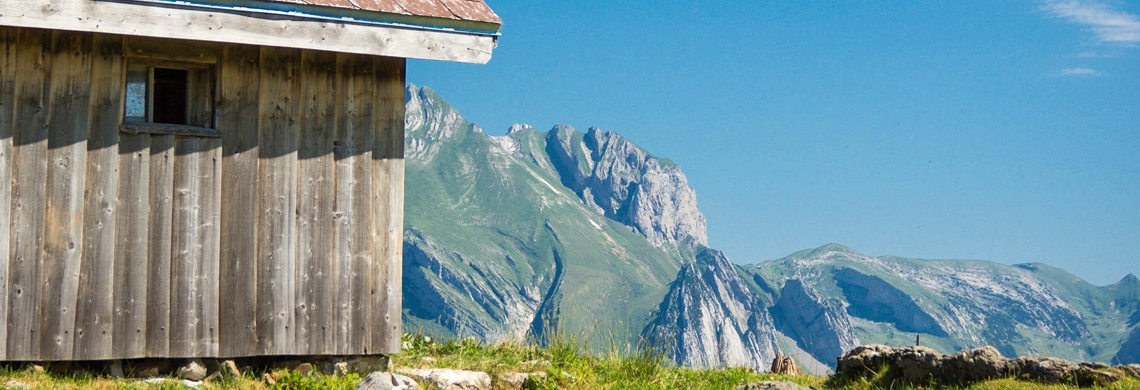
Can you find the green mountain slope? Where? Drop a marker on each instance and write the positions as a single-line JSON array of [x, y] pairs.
[[497, 247]]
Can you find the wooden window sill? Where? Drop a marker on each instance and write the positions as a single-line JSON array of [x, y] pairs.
[[163, 128]]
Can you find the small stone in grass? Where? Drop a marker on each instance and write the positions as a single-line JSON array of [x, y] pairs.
[[304, 369]]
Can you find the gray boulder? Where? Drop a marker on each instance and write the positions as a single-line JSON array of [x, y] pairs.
[[522, 380], [448, 379], [1088, 376], [1045, 370], [921, 365], [864, 361], [17, 385], [917, 364], [975, 365], [387, 381], [1131, 369], [193, 370]]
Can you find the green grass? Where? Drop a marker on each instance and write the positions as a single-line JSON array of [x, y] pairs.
[[881, 381], [568, 364], [252, 380], [566, 360]]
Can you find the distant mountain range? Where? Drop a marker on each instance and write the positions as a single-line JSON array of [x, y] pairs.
[[519, 235]]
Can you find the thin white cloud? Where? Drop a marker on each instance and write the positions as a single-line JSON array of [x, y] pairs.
[[1099, 54], [1081, 72], [1109, 25]]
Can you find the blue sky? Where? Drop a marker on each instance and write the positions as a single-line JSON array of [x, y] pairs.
[[1005, 131]]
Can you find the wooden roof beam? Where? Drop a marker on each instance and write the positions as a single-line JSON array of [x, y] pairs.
[[233, 26]]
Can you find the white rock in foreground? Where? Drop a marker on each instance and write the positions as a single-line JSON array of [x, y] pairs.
[[387, 381], [447, 379]]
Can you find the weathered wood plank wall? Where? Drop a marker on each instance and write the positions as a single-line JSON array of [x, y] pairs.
[[7, 104], [93, 330], [29, 167], [282, 237]]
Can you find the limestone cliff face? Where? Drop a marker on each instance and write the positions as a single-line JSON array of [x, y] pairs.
[[711, 318], [1127, 292], [819, 325], [429, 122], [627, 184], [484, 303], [1130, 351]]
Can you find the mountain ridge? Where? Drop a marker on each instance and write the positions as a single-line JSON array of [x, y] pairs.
[[514, 236]]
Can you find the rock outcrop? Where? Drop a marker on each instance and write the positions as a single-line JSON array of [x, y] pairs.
[[819, 325], [627, 184], [429, 121], [486, 303], [873, 298], [784, 365], [952, 304], [710, 318], [922, 366], [1130, 350]]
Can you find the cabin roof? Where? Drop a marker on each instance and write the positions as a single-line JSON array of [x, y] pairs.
[[448, 30], [469, 10]]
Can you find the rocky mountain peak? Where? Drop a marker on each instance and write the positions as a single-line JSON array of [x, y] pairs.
[[517, 127], [1129, 281], [627, 184], [710, 318], [831, 248], [428, 121]]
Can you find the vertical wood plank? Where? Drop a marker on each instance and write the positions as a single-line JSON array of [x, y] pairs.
[[29, 167], [353, 231], [208, 203], [132, 222], [277, 203], [7, 111], [160, 221], [237, 119], [209, 244], [342, 215], [63, 216], [96, 278], [388, 201], [316, 273], [185, 254], [200, 98], [194, 248]]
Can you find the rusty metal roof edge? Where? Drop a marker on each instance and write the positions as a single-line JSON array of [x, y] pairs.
[[331, 14]]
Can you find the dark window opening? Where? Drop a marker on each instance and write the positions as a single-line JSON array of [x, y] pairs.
[[168, 95], [170, 87]]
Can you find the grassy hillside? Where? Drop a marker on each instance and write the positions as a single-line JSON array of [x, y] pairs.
[[498, 248]]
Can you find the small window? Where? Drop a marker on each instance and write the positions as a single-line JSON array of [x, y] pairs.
[[162, 99], [157, 95]]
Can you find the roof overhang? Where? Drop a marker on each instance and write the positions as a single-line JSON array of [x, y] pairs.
[[265, 24]]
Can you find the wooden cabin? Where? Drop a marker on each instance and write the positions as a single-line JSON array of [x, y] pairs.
[[209, 178]]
